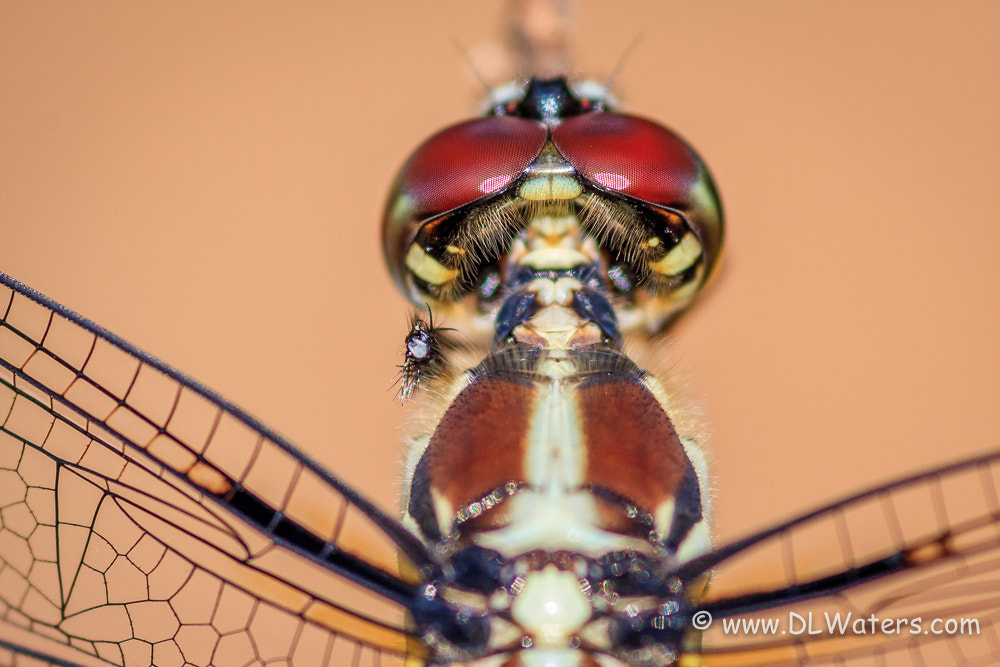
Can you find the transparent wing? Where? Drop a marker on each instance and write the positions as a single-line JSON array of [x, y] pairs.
[[907, 573], [146, 520]]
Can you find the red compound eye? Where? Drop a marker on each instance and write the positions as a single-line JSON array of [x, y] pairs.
[[630, 155], [468, 161]]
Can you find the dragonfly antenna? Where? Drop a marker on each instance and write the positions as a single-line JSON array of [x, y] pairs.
[[467, 57], [622, 59]]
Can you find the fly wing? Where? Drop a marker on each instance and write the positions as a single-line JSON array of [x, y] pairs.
[[146, 520], [907, 573]]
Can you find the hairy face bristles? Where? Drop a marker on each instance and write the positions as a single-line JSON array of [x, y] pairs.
[[612, 224], [488, 232], [555, 208]]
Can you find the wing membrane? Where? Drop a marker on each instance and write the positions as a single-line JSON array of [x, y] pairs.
[[146, 520], [937, 534]]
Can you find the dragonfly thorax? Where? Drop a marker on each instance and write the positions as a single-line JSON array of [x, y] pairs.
[[557, 545]]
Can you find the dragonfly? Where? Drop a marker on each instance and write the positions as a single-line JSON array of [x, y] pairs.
[[367, 650]]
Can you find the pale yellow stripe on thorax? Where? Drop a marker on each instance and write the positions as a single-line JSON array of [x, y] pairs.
[[554, 511], [555, 459]]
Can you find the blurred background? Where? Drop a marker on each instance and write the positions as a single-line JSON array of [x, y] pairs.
[[207, 181]]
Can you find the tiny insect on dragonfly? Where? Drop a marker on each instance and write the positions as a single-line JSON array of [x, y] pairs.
[[706, 312]]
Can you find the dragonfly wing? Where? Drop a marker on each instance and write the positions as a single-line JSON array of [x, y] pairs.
[[146, 520], [883, 577]]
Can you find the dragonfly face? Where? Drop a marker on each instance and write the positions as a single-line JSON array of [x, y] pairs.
[[574, 184]]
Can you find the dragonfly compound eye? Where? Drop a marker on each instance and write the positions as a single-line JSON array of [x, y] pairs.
[[431, 237], [634, 156], [652, 202]]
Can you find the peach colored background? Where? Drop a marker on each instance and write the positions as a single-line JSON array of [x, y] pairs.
[[206, 179]]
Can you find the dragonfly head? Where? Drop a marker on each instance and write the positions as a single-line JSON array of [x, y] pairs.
[[553, 167]]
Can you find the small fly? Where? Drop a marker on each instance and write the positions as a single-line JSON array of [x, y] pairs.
[[423, 355]]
